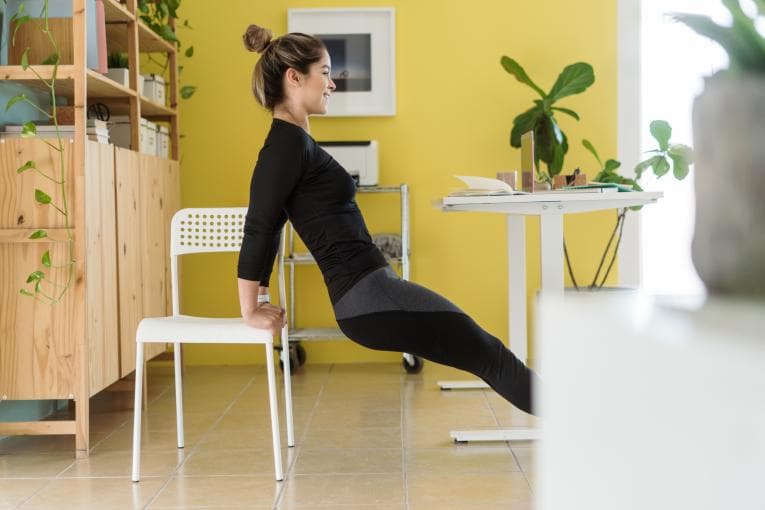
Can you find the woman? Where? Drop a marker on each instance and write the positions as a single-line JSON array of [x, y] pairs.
[[295, 178]]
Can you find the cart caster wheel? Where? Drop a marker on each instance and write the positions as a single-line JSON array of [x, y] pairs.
[[297, 357], [413, 369], [301, 354]]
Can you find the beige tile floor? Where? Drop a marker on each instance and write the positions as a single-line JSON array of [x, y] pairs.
[[369, 437]]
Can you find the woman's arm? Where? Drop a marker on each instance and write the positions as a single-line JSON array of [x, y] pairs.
[[261, 315]]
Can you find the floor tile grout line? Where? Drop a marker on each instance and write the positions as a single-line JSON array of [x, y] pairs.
[[199, 441], [35, 493]]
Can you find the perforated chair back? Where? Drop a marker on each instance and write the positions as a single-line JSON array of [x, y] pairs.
[[203, 230], [206, 230]]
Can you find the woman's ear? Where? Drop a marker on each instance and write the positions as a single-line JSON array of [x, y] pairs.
[[293, 77]]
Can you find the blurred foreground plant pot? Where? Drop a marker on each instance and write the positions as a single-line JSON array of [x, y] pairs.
[[729, 138]]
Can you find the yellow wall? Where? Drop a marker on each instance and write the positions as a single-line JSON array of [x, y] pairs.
[[455, 111]]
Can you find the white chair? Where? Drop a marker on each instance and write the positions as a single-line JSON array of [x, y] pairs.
[[205, 231]]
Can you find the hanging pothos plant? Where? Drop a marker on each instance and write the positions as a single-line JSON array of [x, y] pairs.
[[42, 286], [156, 14]]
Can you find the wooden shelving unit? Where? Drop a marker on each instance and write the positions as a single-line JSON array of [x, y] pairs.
[[121, 203], [125, 33]]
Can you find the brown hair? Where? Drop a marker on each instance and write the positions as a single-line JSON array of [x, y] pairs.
[[294, 50]]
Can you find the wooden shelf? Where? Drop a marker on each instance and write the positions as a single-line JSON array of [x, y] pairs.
[[98, 86], [116, 12], [152, 110], [148, 41]]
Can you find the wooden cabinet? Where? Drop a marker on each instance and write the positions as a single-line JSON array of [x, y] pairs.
[[120, 206], [79, 346]]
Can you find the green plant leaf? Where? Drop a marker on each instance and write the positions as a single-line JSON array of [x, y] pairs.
[[681, 151], [25, 59], [645, 165], [743, 54], [166, 32], [661, 131], [680, 168], [27, 166], [571, 113], [28, 130], [633, 183], [41, 197], [574, 79], [760, 6], [52, 59], [20, 21], [588, 145], [15, 99], [515, 69], [35, 276], [660, 166], [38, 234], [189, 52], [46, 258], [612, 165], [523, 123], [187, 91], [25, 292]]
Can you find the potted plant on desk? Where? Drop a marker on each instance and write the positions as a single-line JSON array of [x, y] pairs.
[[729, 135]]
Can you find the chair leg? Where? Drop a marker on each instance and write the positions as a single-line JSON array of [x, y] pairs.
[[274, 404], [137, 408], [285, 354], [178, 365]]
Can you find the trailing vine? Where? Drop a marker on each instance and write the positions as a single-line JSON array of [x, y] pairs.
[[157, 14], [43, 287]]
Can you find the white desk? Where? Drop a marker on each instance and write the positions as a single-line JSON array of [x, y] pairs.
[[550, 207]]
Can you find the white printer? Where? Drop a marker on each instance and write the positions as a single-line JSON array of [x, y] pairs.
[[358, 158]]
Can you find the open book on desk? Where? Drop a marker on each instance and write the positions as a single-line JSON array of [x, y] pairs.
[[479, 187], [483, 186]]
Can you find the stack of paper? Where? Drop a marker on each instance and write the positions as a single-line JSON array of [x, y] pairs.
[[96, 130], [483, 186]]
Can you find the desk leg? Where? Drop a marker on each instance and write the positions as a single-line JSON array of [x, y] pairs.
[[551, 250], [516, 286]]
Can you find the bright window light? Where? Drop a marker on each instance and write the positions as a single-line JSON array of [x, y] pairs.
[[674, 60]]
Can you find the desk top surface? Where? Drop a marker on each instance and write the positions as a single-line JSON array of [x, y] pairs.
[[548, 203]]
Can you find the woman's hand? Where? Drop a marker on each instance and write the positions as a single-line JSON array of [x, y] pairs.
[[267, 316]]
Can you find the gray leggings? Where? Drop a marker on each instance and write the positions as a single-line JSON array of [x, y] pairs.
[[382, 311]]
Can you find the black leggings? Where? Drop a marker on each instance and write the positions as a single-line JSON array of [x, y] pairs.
[[384, 312]]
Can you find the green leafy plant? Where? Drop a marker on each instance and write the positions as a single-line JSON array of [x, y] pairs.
[[668, 157], [551, 143], [118, 60], [44, 287], [157, 14], [743, 43]]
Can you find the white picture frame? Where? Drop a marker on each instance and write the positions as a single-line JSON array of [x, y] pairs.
[[362, 45]]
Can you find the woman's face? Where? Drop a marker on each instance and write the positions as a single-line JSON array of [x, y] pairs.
[[318, 86]]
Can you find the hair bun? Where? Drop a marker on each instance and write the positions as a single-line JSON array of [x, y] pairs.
[[256, 38]]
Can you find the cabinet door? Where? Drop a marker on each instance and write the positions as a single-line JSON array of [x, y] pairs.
[[102, 325], [146, 187], [37, 340]]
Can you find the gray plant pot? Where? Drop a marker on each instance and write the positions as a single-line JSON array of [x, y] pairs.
[[729, 140]]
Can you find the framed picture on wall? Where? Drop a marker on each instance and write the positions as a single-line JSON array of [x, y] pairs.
[[362, 47]]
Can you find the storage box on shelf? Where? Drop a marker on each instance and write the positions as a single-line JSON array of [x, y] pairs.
[[121, 203]]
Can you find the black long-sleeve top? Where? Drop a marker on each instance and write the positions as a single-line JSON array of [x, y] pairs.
[[295, 178]]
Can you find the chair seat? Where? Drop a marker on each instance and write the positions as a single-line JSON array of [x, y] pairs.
[[188, 329]]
